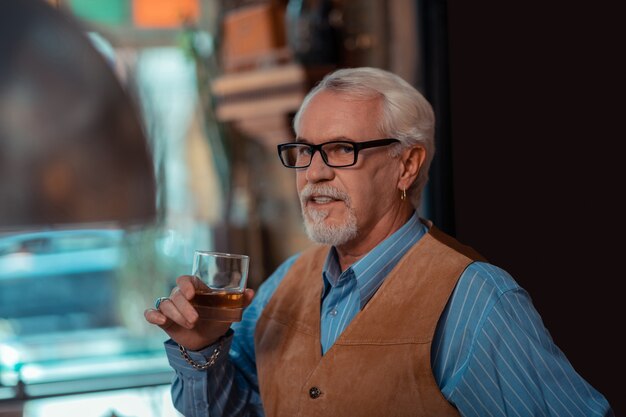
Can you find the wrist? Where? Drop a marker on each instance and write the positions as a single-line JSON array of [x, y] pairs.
[[207, 343], [201, 352], [203, 339], [201, 366]]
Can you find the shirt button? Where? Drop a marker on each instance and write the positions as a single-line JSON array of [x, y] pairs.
[[314, 392], [333, 312]]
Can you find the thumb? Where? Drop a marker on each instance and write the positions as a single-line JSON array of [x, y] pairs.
[[248, 295]]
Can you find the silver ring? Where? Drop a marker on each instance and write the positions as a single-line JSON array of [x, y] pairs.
[[158, 302]]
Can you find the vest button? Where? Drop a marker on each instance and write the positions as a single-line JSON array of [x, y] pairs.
[[314, 392]]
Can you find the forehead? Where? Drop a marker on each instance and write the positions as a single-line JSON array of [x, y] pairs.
[[331, 115]]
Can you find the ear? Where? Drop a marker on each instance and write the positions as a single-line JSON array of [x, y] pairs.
[[411, 161]]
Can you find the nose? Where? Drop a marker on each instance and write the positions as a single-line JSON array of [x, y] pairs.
[[318, 170]]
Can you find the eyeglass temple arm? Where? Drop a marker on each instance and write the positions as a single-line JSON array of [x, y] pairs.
[[373, 143]]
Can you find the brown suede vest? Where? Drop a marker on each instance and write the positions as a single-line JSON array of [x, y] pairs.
[[380, 364]]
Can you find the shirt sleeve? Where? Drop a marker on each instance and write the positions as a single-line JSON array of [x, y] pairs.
[[513, 368], [230, 387]]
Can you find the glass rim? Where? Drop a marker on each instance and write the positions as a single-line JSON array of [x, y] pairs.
[[221, 254]]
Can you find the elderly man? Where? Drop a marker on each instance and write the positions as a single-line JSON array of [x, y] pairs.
[[387, 316]]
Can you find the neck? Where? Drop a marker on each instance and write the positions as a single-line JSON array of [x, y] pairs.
[[351, 252]]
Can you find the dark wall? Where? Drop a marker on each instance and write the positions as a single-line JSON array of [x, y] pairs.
[[537, 127]]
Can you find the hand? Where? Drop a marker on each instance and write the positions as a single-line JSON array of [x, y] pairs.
[[180, 320]]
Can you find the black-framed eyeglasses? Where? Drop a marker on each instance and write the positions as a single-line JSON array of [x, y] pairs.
[[336, 153]]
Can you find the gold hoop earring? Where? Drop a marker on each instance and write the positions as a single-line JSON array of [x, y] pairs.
[[403, 194]]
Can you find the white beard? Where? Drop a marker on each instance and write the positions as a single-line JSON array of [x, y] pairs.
[[314, 220]]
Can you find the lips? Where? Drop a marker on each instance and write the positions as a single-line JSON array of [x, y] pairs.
[[322, 194], [322, 199]]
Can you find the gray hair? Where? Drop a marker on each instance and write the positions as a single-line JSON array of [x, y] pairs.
[[406, 114]]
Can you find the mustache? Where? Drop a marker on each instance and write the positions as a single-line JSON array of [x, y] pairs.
[[310, 190]]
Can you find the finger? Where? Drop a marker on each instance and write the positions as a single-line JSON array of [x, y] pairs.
[[184, 306], [188, 284], [169, 309], [154, 316]]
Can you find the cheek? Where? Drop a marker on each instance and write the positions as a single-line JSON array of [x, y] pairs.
[[373, 195], [362, 201]]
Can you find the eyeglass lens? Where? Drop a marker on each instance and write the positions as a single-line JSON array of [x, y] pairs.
[[334, 154]]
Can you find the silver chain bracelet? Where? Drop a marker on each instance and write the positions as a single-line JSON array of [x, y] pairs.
[[202, 366]]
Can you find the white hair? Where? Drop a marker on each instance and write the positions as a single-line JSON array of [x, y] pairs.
[[406, 114]]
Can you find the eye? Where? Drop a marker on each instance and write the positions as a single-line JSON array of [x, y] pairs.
[[346, 148], [304, 150], [339, 149]]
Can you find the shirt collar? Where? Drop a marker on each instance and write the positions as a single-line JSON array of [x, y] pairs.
[[371, 270]]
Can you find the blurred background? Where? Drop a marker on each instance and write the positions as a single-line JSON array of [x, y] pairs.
[[197, 94]]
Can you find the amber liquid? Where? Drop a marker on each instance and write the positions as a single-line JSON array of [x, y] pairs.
[[218, 299]]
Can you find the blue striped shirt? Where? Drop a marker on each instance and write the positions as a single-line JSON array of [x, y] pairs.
[[491, 355]]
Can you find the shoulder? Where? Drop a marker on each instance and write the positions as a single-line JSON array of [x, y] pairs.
[[486, 279], [482, 292], [262, 297], [480, 288]]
